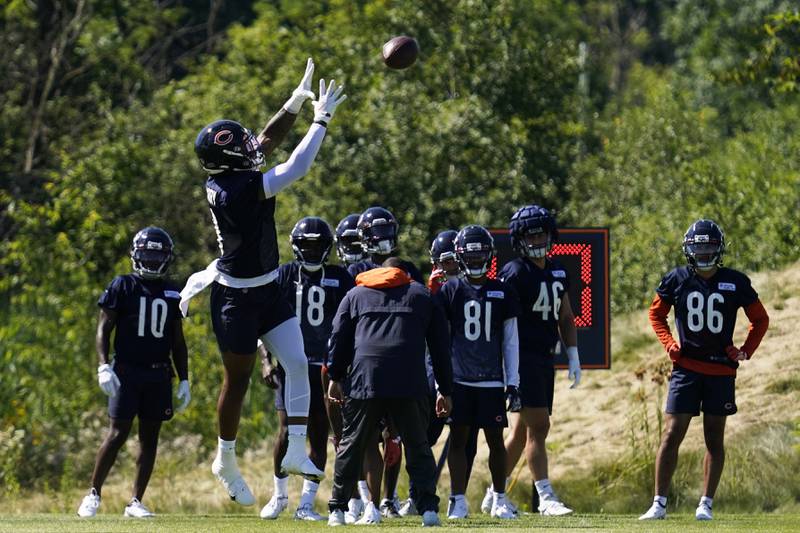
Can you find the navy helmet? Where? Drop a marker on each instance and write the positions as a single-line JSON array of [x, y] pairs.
[[530, 220], [348, 243], [227, 145], [311, 240], [377, 230], [474, 249], [443, 247], [151, 252], [704, 245]]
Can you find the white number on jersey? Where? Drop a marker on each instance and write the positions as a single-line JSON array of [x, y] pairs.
[[158, 316], [543, 305], [696, 319], [472, 320], [315, 312]]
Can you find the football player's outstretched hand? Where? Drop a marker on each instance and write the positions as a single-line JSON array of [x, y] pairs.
[[108, 380], [574, 366], [303, 91], [183, 394], [329, 100]]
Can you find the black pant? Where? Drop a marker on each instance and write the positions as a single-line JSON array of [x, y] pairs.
[[360, 418]]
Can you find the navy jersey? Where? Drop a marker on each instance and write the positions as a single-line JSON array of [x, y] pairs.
[[362, 266], [314, 297], [244, 222], [540, 291], [705, 310], [476, 316], [146, 314]]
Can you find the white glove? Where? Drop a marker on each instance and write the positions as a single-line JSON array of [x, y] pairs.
[[329, 98], [574, 366], [303, 91], [183, 394], [108, 380]]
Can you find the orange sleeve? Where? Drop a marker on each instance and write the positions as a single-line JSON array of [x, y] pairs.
[[759, 322], [659, 313]]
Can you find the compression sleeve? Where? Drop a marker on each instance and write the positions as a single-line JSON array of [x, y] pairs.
[[659, 312], [299, 163], [759, 322], [511, 351]]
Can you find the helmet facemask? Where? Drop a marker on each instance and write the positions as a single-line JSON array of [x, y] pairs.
[[311, 251], [381, 238], [703, 252], [349, 247], [540, 249], [475, 259], [151, 259]]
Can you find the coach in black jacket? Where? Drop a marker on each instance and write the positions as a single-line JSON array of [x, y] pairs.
[[379, 332]]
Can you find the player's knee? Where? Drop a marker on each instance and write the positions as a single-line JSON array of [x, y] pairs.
[[539, 430], [294, 362]]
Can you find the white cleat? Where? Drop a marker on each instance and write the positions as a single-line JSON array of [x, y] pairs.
[[656, 512], [430, 519], [553, 508], [89, 505], [457, 509], [299, 463], [501, 509], [336, 518], [408, 508], [488, 501], [355, 507], [306, 512], [274, 507], [370, 517], [135, 509], [233, 482], [703, 512]]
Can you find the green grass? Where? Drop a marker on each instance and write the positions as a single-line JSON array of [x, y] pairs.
[[783, 386], [246, 523]]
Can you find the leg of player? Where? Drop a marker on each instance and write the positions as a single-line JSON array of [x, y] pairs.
[[148, 447], [390, 504], [497, 468], [457, 464], [666, 462], [514, 444], [285, 341], [714, 433], [537, 419], [237, 371], [318, 431], [280, 479], [471, 451], [117, 435], [373, 469]]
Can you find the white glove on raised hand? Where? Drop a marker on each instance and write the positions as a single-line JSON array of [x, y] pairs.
[[108, 380], [183, 394], [328, 100], [303, 91], [574, 366]]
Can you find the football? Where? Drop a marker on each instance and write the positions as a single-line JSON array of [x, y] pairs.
[[400, 52]]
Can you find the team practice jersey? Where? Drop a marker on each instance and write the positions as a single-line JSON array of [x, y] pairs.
[[244, 222], [540, 291], [363, 266], [146, 314], [314, 297], [705, 310], [477, 315]]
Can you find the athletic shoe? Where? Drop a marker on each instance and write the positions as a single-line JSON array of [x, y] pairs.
[[297, 462], [135, 509], [488, 500], [389, 508], [370, 517], [457, 509], [233, 482], [430, 519], [354, 509], [656, 512], [89, 505], [408, 508], [274, 507], [703, 511], [553, 508], [336, 518], [306, 512], [500, 509]]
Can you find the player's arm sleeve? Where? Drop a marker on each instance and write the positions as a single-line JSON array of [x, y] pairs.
[[438, 339], [511, 351], [275, 131], [180, 355], [299, 163], [659, 314], [759, 322], [341, 346]]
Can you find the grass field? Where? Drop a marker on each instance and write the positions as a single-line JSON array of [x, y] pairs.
[[243, 523]]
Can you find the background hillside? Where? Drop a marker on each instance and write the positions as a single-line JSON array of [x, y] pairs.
[[639, 115]]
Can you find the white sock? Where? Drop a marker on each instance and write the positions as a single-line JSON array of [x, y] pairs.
[[309, 492], [661, 500], [706, 500], [281, 486], [226, 452], [226, 445], [363, 490], [457, 497], [498, 496], [297, 429], [544, 489], [508, 482], [352, 503]]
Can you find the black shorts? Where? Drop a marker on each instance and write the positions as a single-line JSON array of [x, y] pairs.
[[241, 316], [691, 392], [317, 404], [536, 385], [483, 407], [143, 392]]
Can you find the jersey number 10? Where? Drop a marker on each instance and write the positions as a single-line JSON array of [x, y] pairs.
[[158, 316]]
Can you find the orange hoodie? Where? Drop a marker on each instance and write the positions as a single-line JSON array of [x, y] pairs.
[[383, 278]]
